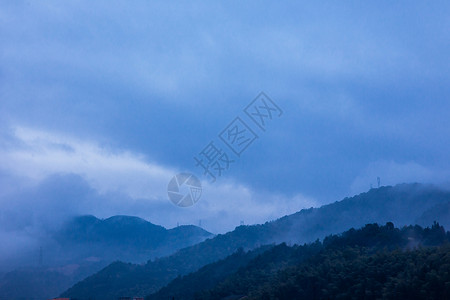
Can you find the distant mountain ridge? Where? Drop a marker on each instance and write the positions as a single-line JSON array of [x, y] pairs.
[[403, 205], [86, 244], [126, 238]]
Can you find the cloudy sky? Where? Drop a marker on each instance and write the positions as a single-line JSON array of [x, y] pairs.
[[102, 103]]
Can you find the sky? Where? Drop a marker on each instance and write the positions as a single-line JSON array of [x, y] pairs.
[[102, 103]]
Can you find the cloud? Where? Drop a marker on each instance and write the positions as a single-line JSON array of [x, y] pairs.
[[66, 176], [42, 153], [48, 177], [225, 204]]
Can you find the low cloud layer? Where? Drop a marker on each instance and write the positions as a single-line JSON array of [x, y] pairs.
[[64, 176], [48, 178]]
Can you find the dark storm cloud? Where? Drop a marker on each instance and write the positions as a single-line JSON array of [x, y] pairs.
[[364, 88]]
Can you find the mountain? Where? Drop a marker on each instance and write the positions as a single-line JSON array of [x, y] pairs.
[[403, 204], [438, 212], [86, 244], [38, 283], [373, 262], [124, 238], [208, 276]]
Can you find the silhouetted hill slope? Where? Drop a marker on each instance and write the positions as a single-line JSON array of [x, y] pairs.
[[208, 276], [439, 212], [87, 244], [402, 204], [370, 263], [115, 230], [42, 283], [124, 238]]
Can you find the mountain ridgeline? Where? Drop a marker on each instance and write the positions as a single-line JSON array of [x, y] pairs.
[[86, 244], [403, 205], [126, 238]]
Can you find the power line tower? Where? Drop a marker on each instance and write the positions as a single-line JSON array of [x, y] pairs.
[[379, 181]]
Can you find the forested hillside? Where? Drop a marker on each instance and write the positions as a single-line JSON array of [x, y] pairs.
[[403, 205], [370, 263]]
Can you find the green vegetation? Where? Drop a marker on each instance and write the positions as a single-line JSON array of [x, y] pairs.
[[403, 204], [375, 262]]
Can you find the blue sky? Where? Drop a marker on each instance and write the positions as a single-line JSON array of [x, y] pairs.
[[111, 99]]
